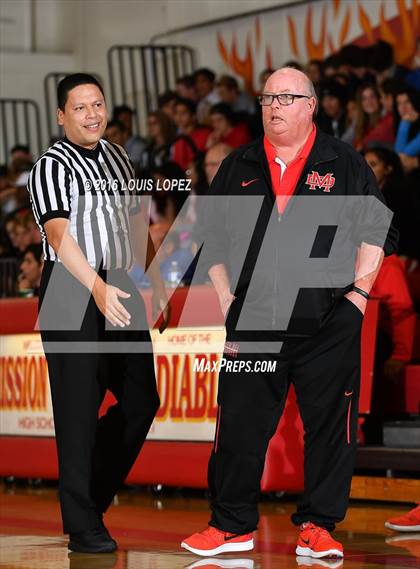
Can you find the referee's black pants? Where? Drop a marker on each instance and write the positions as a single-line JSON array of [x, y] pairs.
[[325, 372], [94, 455]]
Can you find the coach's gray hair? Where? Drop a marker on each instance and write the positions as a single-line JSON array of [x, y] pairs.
[[313, 94]]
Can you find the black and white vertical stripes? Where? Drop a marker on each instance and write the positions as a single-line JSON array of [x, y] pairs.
[[66, 182]]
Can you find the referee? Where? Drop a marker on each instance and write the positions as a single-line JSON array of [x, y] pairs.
[[92, 319]]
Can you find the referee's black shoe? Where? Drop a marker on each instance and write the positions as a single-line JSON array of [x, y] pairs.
[[96, 540]]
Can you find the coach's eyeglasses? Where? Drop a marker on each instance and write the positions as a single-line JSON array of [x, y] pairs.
[[285, 99]]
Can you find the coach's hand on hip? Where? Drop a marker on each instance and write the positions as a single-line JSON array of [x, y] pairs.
[[357, 300]]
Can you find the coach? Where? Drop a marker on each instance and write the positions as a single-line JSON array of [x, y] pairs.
[[92, 318], [320, 350]]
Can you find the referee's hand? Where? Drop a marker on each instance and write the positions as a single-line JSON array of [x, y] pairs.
[[106, 298]]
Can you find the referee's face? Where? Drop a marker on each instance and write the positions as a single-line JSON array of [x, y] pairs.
[[84, 117]]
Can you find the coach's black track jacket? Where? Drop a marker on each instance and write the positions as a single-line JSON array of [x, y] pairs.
[[224, 230]]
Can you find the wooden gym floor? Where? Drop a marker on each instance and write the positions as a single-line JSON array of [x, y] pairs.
[[149, 529]]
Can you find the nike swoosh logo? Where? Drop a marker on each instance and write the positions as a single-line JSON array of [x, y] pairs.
[[245, 184], [227, 538], [305, 541], [348, 393]]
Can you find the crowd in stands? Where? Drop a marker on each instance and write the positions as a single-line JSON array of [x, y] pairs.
[[365, 99]]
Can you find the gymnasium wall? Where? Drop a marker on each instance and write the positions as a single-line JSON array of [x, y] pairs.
[[39, 36]]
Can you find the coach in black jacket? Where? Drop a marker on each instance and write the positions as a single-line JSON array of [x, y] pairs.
[[320, 343]]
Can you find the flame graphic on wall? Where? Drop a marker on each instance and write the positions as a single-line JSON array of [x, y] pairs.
[[244, 67], [401, 32]]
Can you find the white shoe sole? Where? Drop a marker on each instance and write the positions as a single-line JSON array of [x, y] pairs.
[[225, 548], [309, 561], [402, 528], [318, 554], [223, 563]]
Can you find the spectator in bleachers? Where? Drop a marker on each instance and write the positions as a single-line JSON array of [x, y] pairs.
[[246, 108], [315, 71], [197, 175], [229, 93], [134, 144], [395, 337], [381, 60], [399, 197], [21, 160], [388, 90], [332, 65], [19, 234], [206, 92], [167, 102], [191, 138], [166, 205], [372, 127], [22, 230], [399, 319], [185, 88], [8, 196], [116, 132], [332, 115], [351, 113], [161, 135], [20, 151], [354, 66], [214, 157], [408, 133], [31, 269], [9, 229], [225, 129], [31, 227], [124, 114]]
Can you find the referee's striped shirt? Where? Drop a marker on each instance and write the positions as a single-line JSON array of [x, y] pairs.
[[62, 184]]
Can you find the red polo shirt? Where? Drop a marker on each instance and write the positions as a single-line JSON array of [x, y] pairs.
[[284, 186]]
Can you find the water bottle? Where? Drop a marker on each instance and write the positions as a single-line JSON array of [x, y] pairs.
[[174, 275]]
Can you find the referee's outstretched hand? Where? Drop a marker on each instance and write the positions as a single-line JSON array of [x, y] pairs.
[[106, 298]]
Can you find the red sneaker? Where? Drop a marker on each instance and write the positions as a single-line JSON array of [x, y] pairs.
[[407, 522], [212, 541], [317, 542]]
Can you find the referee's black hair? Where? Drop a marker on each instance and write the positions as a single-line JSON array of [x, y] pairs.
[[70, 82]]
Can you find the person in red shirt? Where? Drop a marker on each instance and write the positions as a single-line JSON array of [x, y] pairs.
[[398, 318], [394, 344], [192, 138], [224, 128], [372, 126]]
